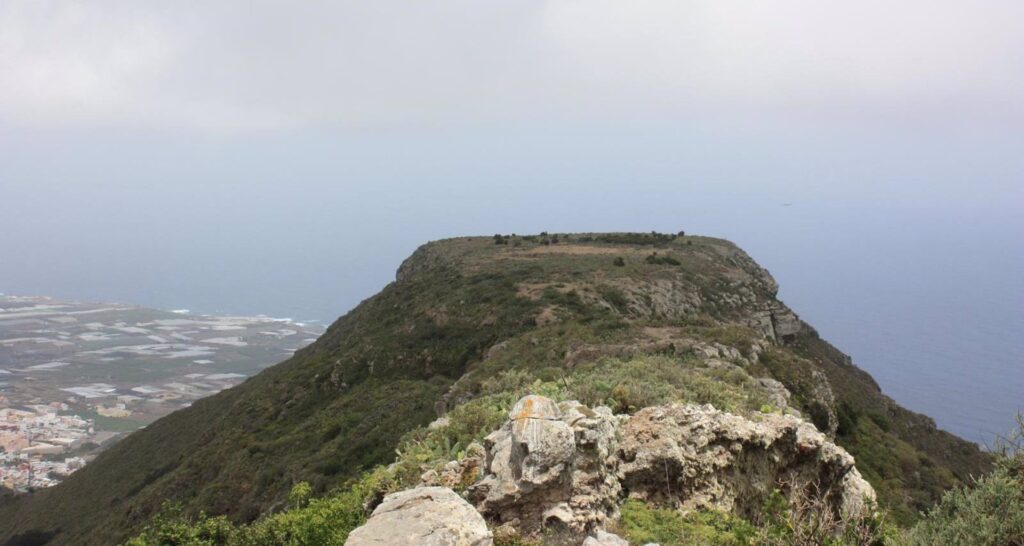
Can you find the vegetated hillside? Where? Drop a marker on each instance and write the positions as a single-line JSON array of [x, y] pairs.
[[470, 317]]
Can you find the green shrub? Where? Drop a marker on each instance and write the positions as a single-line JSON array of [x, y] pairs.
[[807, 519], [655, 259], [325, 521], [299, 495], [652, 238], [990, 511], [881, 420], [641, 524], [846, 417], [614, 297], [426, 448], [629, 384], [171, 527]]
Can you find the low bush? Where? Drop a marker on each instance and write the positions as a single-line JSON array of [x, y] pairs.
[[806, 519], [989, 511], [642, 524], [614, 297], [656, 259], [651, 238], [325, 521], [629, 384]]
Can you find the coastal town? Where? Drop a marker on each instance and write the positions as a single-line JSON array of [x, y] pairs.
[[74, 377], [37, 446]]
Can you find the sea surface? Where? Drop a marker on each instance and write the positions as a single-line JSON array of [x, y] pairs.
[[933, 310]]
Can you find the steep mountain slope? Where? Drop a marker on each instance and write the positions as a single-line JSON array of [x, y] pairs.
[[468, 317]]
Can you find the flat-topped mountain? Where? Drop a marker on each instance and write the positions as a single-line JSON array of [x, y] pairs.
[[622, 321]]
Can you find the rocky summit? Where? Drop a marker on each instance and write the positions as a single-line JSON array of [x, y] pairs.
[[553, 388], [566, 466]]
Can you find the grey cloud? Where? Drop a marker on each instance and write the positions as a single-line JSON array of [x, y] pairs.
[[242, 66]]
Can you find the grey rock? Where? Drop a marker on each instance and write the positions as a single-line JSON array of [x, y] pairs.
[[566, 465], [778, 394], [699, 457], [548, 466], [776, 322], [602, 538], [541, 444], [785, 323], [427, 516]]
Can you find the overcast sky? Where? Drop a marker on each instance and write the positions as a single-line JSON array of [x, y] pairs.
[[146, 145], [284, 157], [262, 66]]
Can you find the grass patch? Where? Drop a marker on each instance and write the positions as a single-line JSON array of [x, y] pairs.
[[642, 524]]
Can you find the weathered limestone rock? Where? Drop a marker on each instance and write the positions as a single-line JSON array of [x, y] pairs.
[[776, 322], [716, 351], [549, 466], [785, 324], [601, 538], [778, 394], [699, 457], [427, 516], [568, 466], [541, 443]]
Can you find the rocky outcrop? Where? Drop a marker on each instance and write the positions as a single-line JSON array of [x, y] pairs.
[[657, 297], [776, 322], [568, 466], [427, 516], [698, 457], [550, 465], [785, 323]]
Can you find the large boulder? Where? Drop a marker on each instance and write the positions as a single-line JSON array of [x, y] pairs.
[[427, 516]]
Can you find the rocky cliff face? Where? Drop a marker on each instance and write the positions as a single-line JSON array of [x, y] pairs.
[[568, 467]]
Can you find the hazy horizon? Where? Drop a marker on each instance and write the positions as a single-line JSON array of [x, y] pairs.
[[245, 158]]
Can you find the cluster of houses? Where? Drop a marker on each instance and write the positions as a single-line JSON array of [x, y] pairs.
[[34, 442]]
